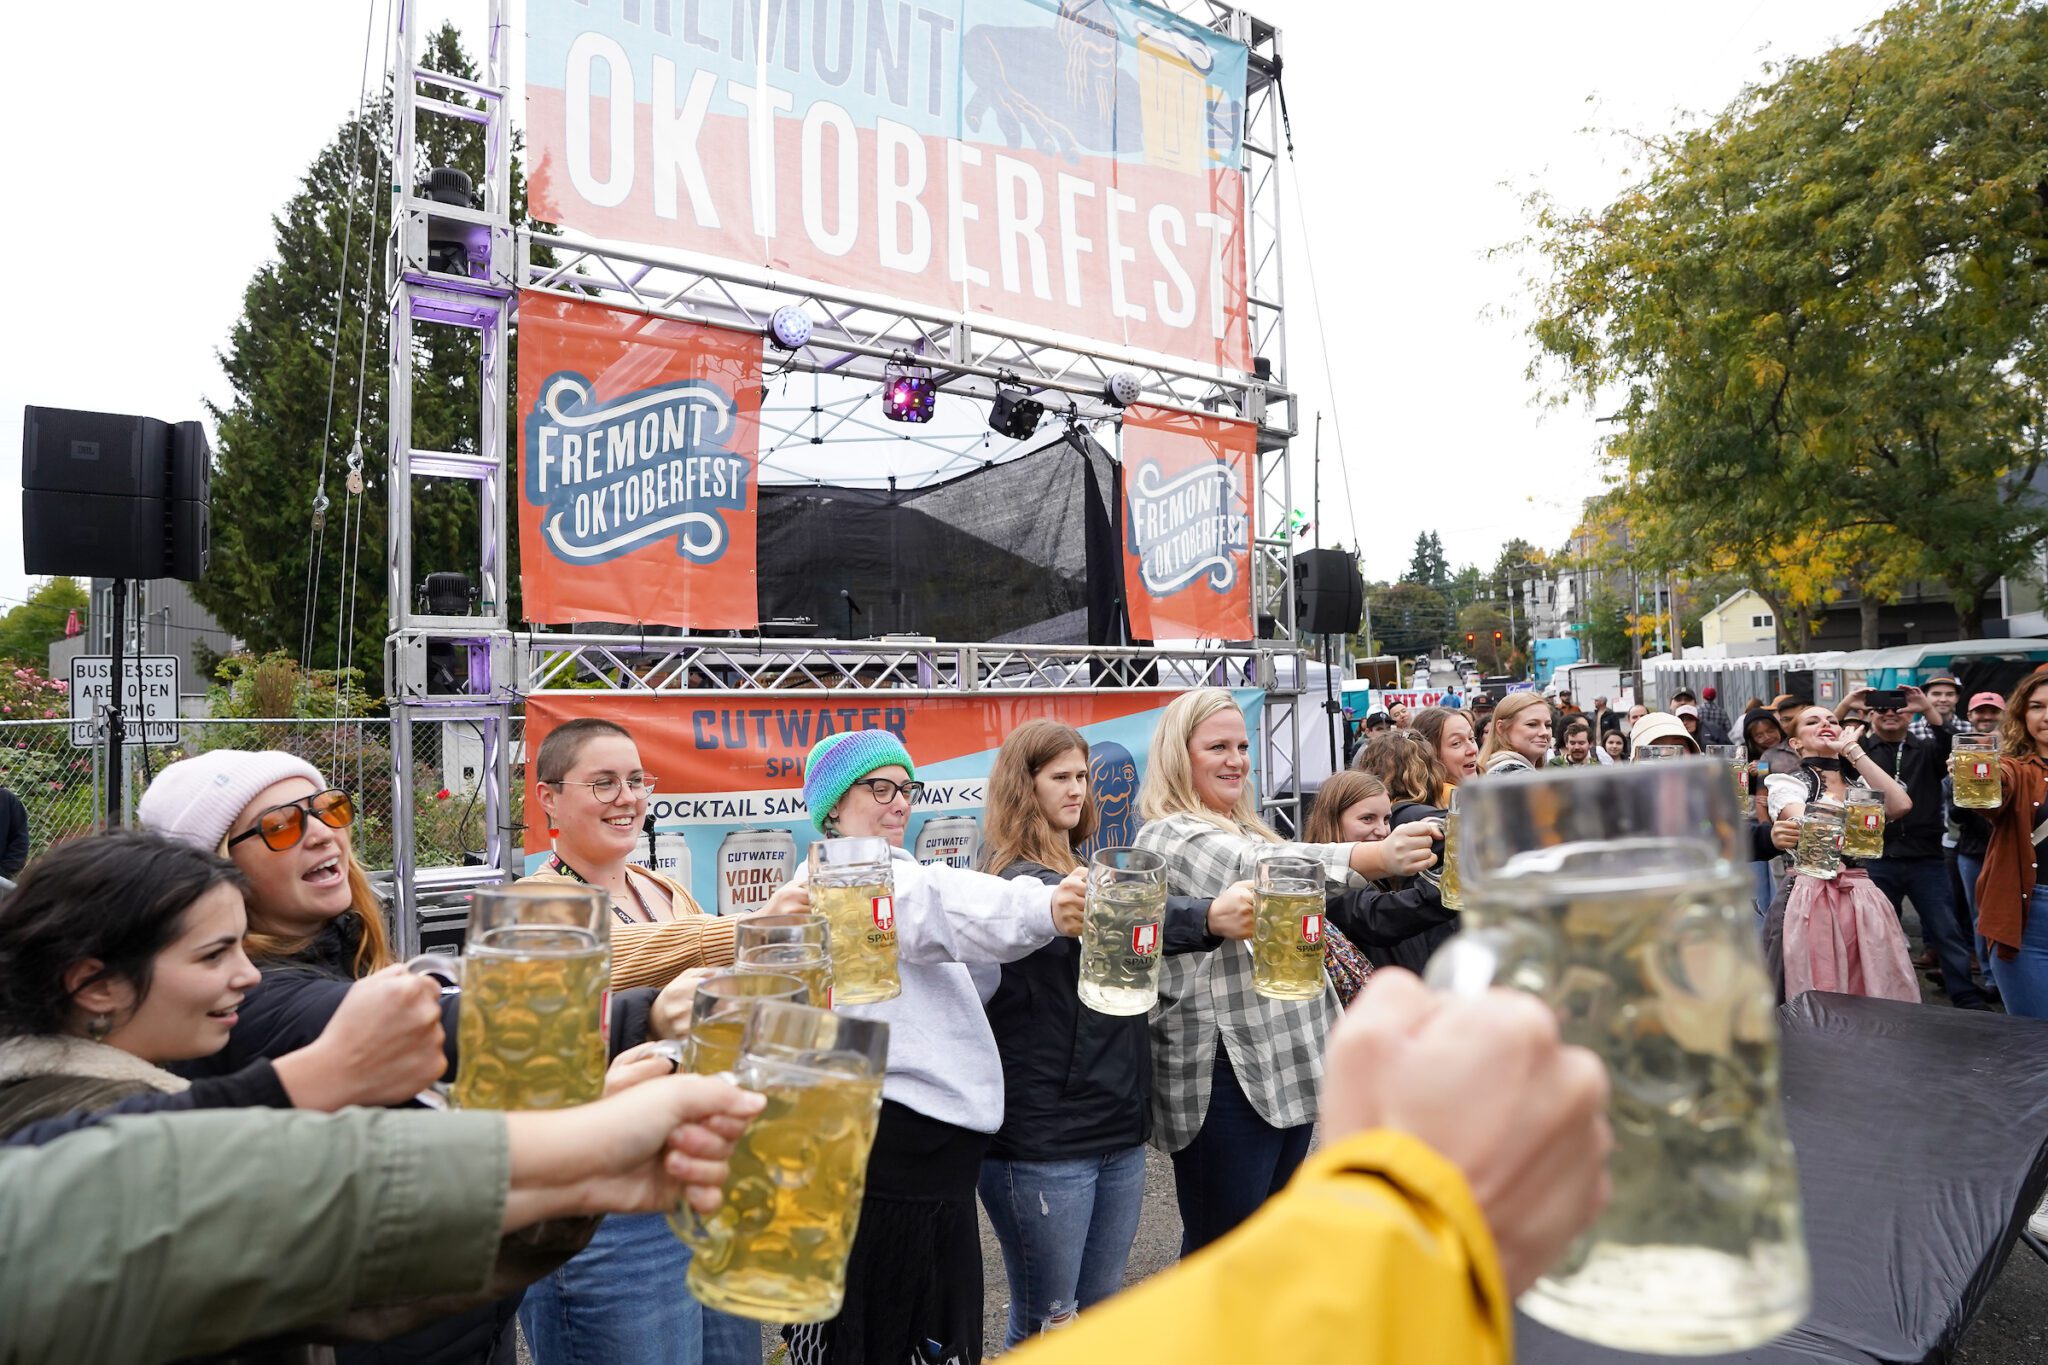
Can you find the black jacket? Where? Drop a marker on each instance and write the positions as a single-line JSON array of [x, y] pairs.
[[1075, 1083], [1919, 766], [1418, 907], [13, 834]]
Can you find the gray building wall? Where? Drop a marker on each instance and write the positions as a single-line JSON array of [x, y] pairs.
[[163, 618]]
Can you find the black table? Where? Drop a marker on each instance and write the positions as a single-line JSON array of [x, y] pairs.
[[1922, 1137]]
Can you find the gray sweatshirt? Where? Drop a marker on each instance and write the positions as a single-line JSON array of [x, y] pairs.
[[942, 1057]]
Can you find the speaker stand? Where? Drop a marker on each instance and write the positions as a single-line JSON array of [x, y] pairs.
[[116, 733]]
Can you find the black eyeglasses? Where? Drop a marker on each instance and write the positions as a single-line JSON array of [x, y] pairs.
[[282, 827], [884, 791]]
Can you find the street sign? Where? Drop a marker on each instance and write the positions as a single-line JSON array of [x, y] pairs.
[[149, 697]]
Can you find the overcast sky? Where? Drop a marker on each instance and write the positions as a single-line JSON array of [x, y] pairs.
[[151, 143]]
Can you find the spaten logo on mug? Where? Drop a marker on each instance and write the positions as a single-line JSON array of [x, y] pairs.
[[1311, 928], [1145, 939], [885, 913]]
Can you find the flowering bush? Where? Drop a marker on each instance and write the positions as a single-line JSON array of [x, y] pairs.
[[26, 694]]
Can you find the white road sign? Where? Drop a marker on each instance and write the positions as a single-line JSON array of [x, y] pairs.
[[149, 697]]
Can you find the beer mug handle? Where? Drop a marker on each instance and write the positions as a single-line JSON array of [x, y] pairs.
[[1473, 961], [442, 967]]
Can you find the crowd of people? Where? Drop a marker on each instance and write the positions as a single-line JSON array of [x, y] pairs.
[[204, 1037]]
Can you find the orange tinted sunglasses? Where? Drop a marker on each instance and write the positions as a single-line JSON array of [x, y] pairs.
[[282, 827]]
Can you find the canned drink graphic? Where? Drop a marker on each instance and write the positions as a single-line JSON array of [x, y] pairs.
[[951, 839], [751, 864], [1173, 93], [671, 856]]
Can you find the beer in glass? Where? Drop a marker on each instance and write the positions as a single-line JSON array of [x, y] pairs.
[[1123, 931], [1974, 767], [719, 1008], [1818, 853], [805, 930], [854, 888], [776, 1249], [1287, 928], [1738, 764], [530, 1029], [1619, 894], [807, 962], [1862, 823], [1450, 887]]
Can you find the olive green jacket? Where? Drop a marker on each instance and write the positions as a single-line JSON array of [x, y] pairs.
[[160, 1236]]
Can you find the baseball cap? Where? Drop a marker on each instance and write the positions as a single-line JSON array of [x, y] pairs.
[[1692, 711], [1944, 678], [1986, 699], [1708, 693]]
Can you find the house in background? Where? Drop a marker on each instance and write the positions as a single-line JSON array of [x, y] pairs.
[[163, 618], [1738, 625]]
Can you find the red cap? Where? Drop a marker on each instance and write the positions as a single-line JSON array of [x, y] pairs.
[[1707, 692], [1986, 699]]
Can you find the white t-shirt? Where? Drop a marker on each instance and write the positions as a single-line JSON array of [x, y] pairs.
[[1781, 790]]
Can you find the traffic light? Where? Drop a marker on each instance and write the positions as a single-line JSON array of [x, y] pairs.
[[1496, 639], [1471, 638]]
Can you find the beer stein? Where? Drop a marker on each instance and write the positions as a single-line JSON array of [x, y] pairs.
[[776, 1249], [854, 887], [1819, 851], [1974, 768], [1450, 887], [757, 931], [719, 1008], [1620, 896], [810, 963], [1862, 822], [1287, 928], [533, 977], [1738, 764], [1123, 931]]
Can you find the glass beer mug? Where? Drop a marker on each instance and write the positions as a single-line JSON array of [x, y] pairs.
[[1974, 767], [854, 887], [534, 976], [1818, 853], [719, 1009], [1619, 895], [802, 944], [1287, 928], [1862, 822], [1450, 886], [1738, 765], [776, 1249], [1123, 931]]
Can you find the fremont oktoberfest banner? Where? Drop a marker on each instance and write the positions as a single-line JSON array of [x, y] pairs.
[[1073, 165], [730, 820], [638, 453], [1187, 525]]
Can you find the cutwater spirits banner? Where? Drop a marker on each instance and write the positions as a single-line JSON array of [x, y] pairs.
[[730, 820], [1075, 165], [638, 447], [1187, 525]]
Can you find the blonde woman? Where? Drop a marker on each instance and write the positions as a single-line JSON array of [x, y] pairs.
[[1520, 736], [1234, 1074]]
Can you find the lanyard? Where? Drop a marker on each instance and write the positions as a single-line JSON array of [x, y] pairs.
[[556, 861]]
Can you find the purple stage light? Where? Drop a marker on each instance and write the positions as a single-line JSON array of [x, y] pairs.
[[908, 392]]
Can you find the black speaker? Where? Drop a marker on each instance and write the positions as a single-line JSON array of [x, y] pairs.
[[107, 495], [1329, 594]]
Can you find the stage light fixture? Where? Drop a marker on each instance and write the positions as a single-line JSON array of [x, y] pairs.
[[907, 393], [790, 327], [454, 247], [1015, 414], [1123, 388]]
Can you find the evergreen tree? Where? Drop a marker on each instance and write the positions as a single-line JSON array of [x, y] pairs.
[[267, 467], [27, 630], [1427, 565]]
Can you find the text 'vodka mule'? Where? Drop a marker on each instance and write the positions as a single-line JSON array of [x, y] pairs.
[[1287, 928], [1123, 931], [776, 1249], [530, 1028], [1618, 895], [854, 888]]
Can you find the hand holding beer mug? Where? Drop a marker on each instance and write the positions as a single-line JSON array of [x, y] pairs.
[[534, 971], [1819, 852], [1287, 928], [1123, 930], [854, 887], [776, 1249], [1974, 767], [1618, 895], [719, 1012]]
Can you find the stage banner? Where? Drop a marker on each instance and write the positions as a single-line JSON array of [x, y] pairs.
[[638, 453], [730, 820], [1073, 165], [1187, 532]]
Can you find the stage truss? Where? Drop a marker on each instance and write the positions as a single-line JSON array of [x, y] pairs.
[[855, 336]]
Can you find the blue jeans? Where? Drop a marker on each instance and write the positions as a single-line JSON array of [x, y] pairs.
[[2023, 982], [1926, 881], [622, 1298], [1236, 1163], [1065, 1229], [1969, 869]]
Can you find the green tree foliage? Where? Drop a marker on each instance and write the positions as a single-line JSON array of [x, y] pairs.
[[1607, 638], [270, 433], [1480, 621], [1410, 618], [1427, 565], [1819, 317], [27, 630]]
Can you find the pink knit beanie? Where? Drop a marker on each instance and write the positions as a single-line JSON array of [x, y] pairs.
[[197, 799]]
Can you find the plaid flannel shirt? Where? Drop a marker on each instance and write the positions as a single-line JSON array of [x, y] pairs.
[[1274, 1046], [1920, 729]]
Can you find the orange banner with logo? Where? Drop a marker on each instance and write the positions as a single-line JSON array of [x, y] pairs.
[[638, 467], [1187, 525]]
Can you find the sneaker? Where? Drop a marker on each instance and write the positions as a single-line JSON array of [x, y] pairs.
[[2038, 1224]]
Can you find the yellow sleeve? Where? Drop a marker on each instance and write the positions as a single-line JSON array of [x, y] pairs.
[[1375, 1253], [654, 954]]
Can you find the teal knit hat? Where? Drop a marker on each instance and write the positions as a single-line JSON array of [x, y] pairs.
[[838, 761]]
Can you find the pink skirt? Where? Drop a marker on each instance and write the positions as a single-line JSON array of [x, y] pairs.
[[1843, 935]]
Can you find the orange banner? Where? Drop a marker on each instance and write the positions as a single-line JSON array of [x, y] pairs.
[[638, 467], [1187, 533]]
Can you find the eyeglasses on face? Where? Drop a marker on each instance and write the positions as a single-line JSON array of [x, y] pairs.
[[607, 789], [282, 827], [884, 791]]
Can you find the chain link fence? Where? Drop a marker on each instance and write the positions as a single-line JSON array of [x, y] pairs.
[[61, 784]]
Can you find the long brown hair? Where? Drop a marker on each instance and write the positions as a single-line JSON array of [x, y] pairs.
[[373, 940], [1512, 705], [1406, 765], [1017, 830], [1343, 791], [2014, 741]]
